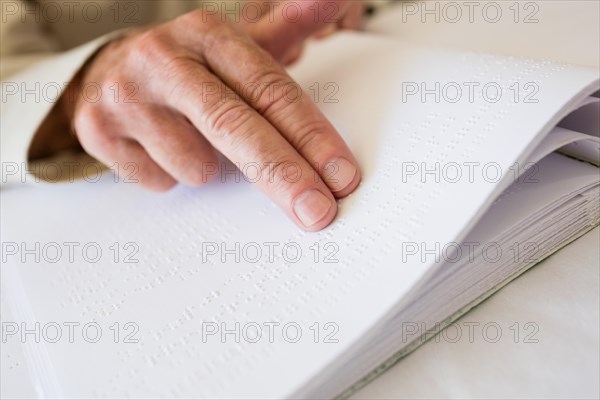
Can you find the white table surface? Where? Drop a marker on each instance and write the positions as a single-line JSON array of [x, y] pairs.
[[558, 298]]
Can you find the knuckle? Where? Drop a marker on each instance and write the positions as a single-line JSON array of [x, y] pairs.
[[199, 18], [88, 122], [150, 48], [177, 72], [97, 131], [226, 120], [269, 96], [310, 136], [278, 173]]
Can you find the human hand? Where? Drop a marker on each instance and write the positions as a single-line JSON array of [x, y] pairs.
[[282, 32], [188, 105]]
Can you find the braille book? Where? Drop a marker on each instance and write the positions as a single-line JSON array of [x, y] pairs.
[[475, 167]]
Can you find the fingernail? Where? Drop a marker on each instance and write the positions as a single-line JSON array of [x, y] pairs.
[[339, 173], [311, 206]]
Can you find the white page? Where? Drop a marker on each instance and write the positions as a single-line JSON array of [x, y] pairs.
[[579, 145], [586, 118], [523, 223], [527, 204], [170, 291]]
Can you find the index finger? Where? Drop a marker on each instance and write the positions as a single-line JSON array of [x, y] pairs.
[[254, 145], [264, 84]]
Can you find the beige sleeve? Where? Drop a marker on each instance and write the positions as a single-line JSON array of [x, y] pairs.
[[22, 40], [34, 73]]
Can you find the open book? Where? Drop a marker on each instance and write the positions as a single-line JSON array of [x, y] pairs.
[[475, 167]]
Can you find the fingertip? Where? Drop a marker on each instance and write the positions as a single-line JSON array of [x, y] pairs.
[[351, 187], [314, 210], [341, 176], [159, 184]]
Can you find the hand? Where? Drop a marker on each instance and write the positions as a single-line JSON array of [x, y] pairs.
[[202, 86], [284, 37]]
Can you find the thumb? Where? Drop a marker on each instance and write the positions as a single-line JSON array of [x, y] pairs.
[[288, 24]]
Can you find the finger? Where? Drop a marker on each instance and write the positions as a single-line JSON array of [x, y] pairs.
[[293, 55], [354, 17], [329, 30], [250, 142], [267, 88], [252, 12], [175, 145], [289, 23], [133, 164], [99, 135]]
